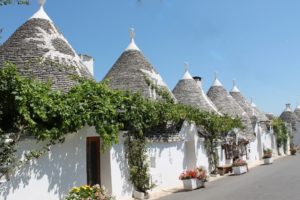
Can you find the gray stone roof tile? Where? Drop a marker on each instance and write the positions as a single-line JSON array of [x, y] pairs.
[[188, 92], [39, 50], [130, 73], [289, 116], [253, 112], [297, 112], [227, 105]]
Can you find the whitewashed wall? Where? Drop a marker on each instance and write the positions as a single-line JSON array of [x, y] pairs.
[[53, 174], [202, 159], [296, 135], [267, 140], [264, 139], [121, 186], [167, 162], [253, 151]]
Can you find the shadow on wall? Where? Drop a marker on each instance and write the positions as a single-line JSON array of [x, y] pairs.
[[174, 149], [202, 158], [167, 161], [53, 174], [166, 154], [121, 162]]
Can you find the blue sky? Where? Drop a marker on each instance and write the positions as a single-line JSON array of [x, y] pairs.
[[256, 42]]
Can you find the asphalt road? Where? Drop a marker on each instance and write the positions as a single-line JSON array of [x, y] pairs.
[[279, 181]]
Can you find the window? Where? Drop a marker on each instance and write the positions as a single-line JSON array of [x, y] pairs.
[[93, 160]]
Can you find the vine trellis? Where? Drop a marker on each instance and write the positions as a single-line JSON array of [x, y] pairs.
[[30, 108]]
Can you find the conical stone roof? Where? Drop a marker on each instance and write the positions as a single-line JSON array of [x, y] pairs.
[[248, 107], [133, 72], [188, 92], [297, 112], [271, 116], [227, 105], [289, 116], [39, 50]]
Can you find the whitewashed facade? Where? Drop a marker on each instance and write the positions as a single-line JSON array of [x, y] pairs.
[[65, 165]]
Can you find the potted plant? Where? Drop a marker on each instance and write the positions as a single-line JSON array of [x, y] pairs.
[[193, 179], [86, 192], [239, 166], [268, 156], [293, 151]]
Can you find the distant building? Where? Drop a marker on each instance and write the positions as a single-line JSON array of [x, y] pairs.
[[227, 105], [292, 121], [261, 124]]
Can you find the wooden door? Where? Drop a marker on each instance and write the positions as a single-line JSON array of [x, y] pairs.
[[93, 160]]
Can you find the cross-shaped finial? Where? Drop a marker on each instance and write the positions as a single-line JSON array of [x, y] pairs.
[[216, 74], [234, 82], [42, 2], [186, 66], [131, 33]]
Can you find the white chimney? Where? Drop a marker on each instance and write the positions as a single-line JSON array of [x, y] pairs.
[[88, 61], [198, 80]]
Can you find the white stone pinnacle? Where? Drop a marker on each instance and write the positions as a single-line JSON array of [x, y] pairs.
[[216, 81], [132, 45], [252, 103], [235, 88], [41, 14], [187, 74]]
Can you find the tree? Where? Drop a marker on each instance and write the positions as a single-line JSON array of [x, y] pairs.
[[281, 132], [8, 2]]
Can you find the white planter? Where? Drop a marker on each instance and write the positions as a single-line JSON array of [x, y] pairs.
[[3, 178], [268, 161], [191, 184], [239, 170], [138, 195]]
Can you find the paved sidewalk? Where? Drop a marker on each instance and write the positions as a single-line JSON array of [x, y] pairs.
[[279, 181], [169, 191]]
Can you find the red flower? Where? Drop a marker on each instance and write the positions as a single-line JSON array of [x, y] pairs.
[[198, 173]]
